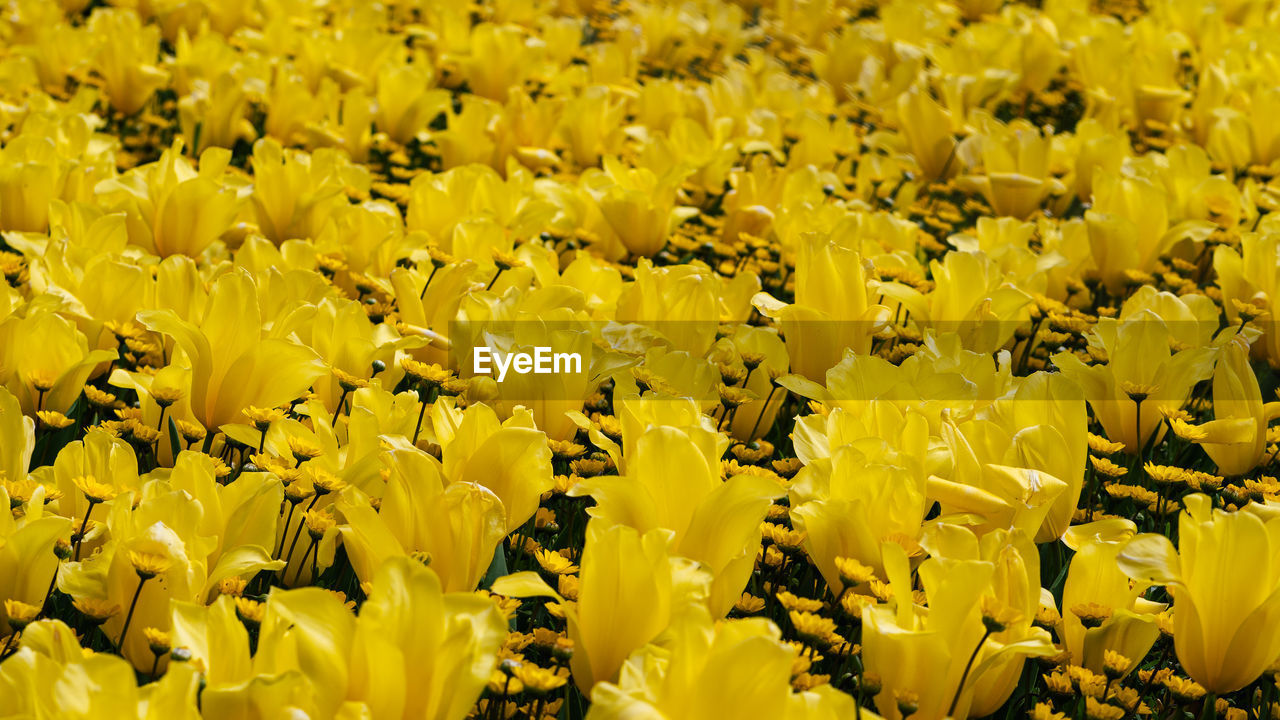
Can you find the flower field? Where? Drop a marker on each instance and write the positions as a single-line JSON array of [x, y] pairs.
[[845, 359]]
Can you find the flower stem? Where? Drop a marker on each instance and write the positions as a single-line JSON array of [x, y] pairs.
[[128, 619], [965, 675]]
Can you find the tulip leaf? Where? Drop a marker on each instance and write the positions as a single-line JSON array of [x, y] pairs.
[[497, 568], [173, 438]]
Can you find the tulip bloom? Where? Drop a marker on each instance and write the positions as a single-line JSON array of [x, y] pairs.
[[1225, 582], [625, 599], [1252, 275], [831, 313], [1143, 376], [1130, 225], [1237, 436], [926, 125], [27, 562], [678, 301], [734, 668], [927, 652], [170, 207], [511, 458], [849, 507], [50, 675], [1096, 578], [638, 204], [294, 193], [459, 525], [234, 364], [673, 482], [45, 361], [126, 58], [1015, 167]]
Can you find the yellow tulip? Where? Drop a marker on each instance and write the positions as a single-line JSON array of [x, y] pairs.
[[344, 337], [1225, 582], [1143, 377], [1130, 225], [51, 676], [988, 495], [673, 482], [458, 525], [414, 651], [126, 58], [927, 128], [170, 207], [17, 438], [501, 57], [831, 313], [592, 124], [849, 506], [625, 598], [954, 662], [294, 193], [216, 639], [233, 363], [215, 113], [29, 180], [158, 551], [419, 651], [735, 668], [45, 361], [511, 459], [1014, 159], [638, 204], [679, 302], [1236, 438], [27, 561], [406, 99], [1095, 577], [1051, 434], [1252, 275]]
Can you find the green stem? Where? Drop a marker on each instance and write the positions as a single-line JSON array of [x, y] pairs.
[[128, 619], [965, 675], [83, 525], [303, 562], [296, 535]]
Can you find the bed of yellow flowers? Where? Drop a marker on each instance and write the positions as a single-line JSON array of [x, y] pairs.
[[926, 359]]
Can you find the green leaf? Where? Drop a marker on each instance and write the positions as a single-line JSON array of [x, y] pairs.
[[173, 438], [497, 568]]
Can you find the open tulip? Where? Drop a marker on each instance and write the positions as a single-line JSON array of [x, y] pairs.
[[1095, 578], [234, 364], [625, 599], [956, 661]]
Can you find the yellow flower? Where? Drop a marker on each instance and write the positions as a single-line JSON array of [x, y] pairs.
[[832, 313], [1107, 614], [126, 58], [638, 204], [929, 654], [1225, 589], [1237, 436], [233, 365], [170, 207], [672, 481]]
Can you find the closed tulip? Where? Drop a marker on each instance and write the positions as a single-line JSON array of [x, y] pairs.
[[1225, 582], [1237, 436], [673, 482]]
